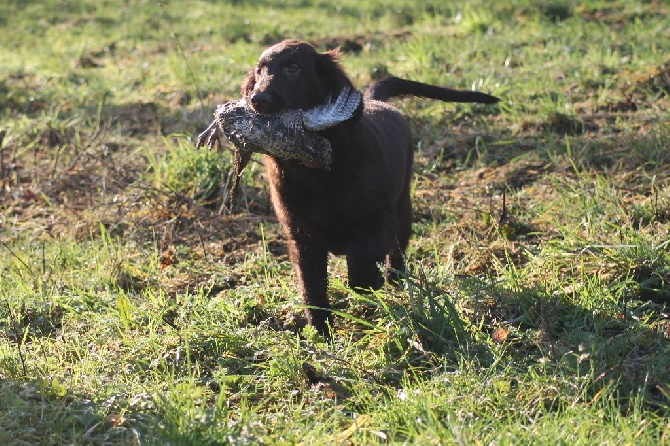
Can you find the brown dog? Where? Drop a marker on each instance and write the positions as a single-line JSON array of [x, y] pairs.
[[361, 207]]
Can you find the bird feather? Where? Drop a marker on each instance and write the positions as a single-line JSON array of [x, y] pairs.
[[332, 113]]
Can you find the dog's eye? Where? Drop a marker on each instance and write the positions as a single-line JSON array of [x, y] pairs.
[[292, 69]]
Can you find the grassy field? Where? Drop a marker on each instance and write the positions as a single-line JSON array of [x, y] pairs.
[[134, 309]]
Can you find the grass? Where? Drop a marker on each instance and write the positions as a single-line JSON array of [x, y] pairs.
[[134, 309]]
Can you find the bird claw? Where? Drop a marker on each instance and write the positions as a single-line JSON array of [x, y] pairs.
[[210, 137]]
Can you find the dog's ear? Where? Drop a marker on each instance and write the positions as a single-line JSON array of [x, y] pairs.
[[331, 73], [249, 83]]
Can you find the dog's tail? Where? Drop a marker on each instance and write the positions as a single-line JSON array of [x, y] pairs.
[[392, 86]]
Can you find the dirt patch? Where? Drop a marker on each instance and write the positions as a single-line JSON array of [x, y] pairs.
[[639, 90], [652, 81], [617, 18], [560, 124], [355, 44], [136, 118]]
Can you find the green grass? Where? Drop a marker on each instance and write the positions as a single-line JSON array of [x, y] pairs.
[[135, 309]]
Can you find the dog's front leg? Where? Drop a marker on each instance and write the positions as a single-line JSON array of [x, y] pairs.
[[311, 266]]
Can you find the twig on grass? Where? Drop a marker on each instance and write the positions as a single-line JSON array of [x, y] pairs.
[[503, 213], [18, 338], [182, 54], [347, 363], [2, 161], [25, 265]]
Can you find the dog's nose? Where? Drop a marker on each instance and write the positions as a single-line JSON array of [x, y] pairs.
[[262, 102]]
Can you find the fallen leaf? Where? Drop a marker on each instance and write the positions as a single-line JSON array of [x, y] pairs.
[[167, 257], [360, 422], [500, 335], [115, 420]]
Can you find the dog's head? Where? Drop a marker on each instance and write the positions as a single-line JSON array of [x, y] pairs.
[[293, 75]]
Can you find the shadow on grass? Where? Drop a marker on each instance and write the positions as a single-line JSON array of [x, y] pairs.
[[620, 343], [44, 412], [473, 324]]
